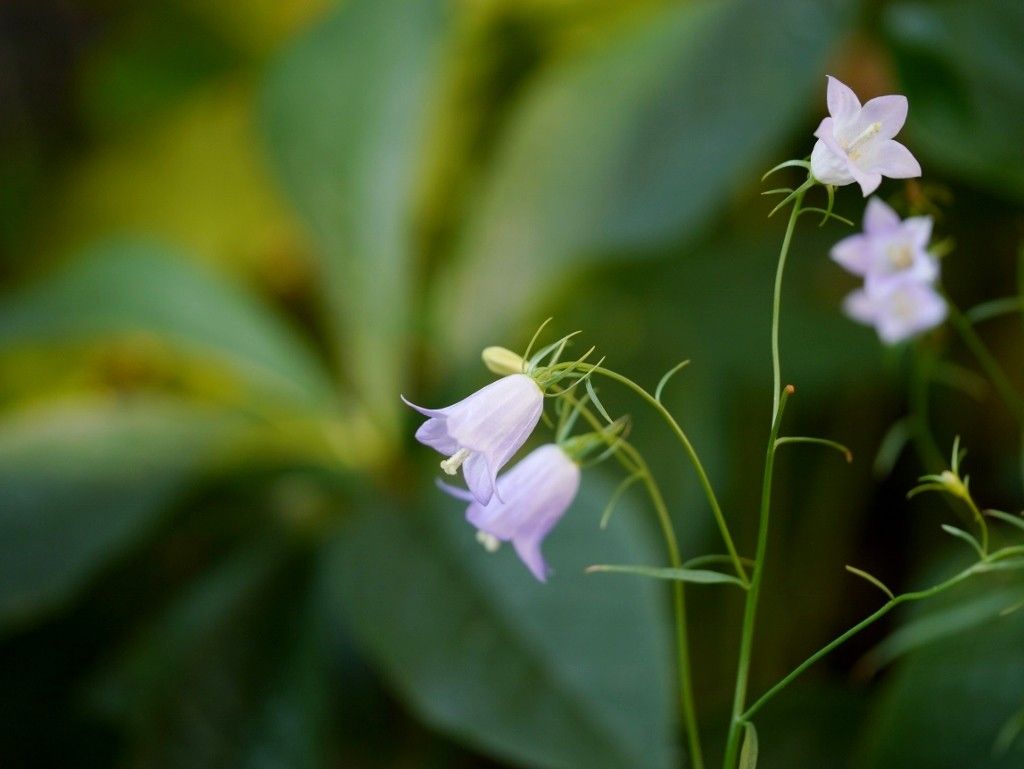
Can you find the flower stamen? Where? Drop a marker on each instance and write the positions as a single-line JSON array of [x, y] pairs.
[[454, 462], [853, 148], [490, 542]]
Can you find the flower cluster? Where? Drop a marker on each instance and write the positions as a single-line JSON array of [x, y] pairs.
[[856, 144], [481, 433], [898, 297]]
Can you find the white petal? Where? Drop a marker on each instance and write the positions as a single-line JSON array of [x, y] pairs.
[[843, 103], [868, 180], [889, 111], [860, 306], [919, 229], [828, 165], [892, 159], [852, 254], [879, 217]]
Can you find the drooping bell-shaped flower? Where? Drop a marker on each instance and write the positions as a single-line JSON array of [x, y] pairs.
[[481, 433], [534, 496], [855, 143], [899, 310], [889, 249]]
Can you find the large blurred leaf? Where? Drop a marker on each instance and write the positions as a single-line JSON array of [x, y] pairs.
[[635, 143], [80, 483], [131, 286], [233, 674], [946, 703], [345, 115], [569, 674], [193, 174], [960, 64]]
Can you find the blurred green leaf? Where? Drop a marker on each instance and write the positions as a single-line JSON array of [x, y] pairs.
[[960, 65], [635, 143], [572, 673], [945, 704], [80, 483], [126, 287], [345, 110], [232, 674]]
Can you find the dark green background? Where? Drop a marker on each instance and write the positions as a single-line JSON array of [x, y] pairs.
[[232, 233]]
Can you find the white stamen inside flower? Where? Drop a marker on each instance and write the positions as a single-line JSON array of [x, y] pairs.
[[900, 257], [454, 462], [489, 541], [853, 148]]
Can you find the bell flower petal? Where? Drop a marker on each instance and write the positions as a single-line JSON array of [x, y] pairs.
[[889, 249], [482, 432], [900, 311], [534, 496], [855, 143]]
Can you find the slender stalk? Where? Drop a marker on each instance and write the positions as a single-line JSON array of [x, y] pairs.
[[631, 459], [870, 620], [753, 596], [691, 453], [754, 592], [987, 361]]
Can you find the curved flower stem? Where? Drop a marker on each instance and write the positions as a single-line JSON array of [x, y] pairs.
[[631, 459], [777, 301], [691, 453], [779, 396], [976, 568], [987, 361]]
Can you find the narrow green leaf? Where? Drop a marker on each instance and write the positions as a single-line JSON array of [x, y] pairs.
[[698, 576], [962, 535], [664, 380], [748, 754], [872, 579], [1013, 520]]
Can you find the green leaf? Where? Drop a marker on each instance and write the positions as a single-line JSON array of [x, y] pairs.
[[232, 674], [633, 144], [575, 672], [345, 112], [959, 64], [129, 287], [748, 754], [82, 482], [699, 576]]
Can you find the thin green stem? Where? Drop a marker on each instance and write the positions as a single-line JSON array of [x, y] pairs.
[[779, 396], [694, 458], [777, 300], [634, 463], [977, 568], [987, 361], [980, 520], [754, 592]]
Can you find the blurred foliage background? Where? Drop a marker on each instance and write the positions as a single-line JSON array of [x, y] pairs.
[[231, 233]]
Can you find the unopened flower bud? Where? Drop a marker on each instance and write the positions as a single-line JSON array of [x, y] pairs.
[[502, 361], [953, 484]]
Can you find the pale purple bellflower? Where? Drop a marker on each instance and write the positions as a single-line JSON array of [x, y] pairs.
[[889, 249], [483, 431], [898, 310], [855, 143], [533, 496]]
